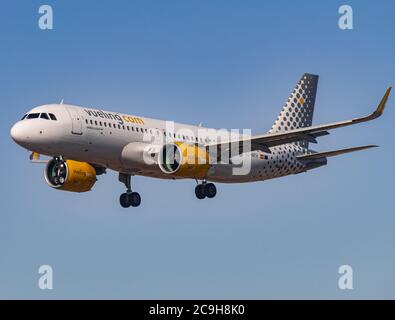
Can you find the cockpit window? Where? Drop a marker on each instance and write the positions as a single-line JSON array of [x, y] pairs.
[[33, 115], [44, 116], [23, 118], [52, 116]]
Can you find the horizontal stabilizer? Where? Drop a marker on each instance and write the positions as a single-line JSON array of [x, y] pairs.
[[333, 153]]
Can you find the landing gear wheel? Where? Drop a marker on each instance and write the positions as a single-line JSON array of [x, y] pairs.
[[128, 198], [210, 190], [124, 200], [200, 191], [134, 199]]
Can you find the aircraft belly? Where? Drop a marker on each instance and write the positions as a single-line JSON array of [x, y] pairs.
[[228, 173]]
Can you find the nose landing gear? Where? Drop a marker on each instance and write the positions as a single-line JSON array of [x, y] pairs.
[[205, 189], [128, 198]]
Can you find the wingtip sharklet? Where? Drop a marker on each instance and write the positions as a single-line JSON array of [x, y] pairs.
[[380, 108]]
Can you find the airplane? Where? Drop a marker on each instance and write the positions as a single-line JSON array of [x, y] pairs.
[[83, 143]]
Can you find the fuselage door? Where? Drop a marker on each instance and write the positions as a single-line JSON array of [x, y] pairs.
[[76, 121]]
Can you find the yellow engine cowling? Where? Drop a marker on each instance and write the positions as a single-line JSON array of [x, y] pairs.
[[70, 175], [184, 160]]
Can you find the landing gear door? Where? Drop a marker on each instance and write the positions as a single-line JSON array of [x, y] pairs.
[[76, 121]]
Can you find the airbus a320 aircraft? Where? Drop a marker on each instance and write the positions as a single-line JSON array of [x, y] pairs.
[[84, 142]]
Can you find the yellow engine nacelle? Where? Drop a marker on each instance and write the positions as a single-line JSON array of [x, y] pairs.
[[184, 160], [70, 175]]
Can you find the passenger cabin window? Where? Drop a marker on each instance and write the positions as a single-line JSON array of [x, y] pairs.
[[52, 116], [33, 115], [44, 116]]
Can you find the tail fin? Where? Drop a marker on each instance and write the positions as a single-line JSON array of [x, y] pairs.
[[298, 110]]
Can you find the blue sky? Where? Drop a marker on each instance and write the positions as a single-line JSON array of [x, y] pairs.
[[227, 64]]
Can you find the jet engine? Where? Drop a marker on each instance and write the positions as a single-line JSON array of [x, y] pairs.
[[184, 160], [70, 175]]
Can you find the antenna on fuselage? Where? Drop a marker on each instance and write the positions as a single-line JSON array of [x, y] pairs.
[[61, 101]]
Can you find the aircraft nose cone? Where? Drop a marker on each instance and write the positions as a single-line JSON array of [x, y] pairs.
[[17, 133]]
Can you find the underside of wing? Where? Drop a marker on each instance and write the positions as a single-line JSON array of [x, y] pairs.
[[265, 141]]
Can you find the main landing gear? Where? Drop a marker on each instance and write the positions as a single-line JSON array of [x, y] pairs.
[[128, 198], [205, 189]]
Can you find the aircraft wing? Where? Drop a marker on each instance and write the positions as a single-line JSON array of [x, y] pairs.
[[265, 141]]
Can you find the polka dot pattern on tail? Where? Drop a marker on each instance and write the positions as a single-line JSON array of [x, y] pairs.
[[299, 108]]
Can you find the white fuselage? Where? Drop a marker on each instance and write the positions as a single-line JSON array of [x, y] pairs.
[[109, 139]]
